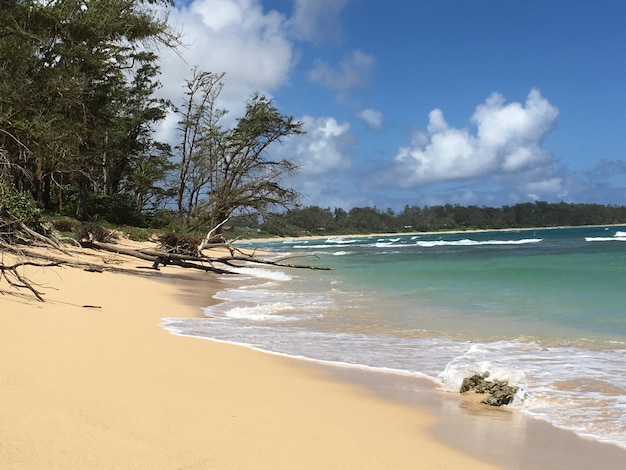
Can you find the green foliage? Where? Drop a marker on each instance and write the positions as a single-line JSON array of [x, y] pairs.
[[138, 234], [162, 218], [231, 166], [92, 231], [116, 208], [316, 220], [65, 225], [76, 83], [20, 205], [277, 226]]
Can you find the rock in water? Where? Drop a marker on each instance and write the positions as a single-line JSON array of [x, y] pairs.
[[501, 393]]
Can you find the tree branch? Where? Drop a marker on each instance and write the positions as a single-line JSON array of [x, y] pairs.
[[12, 276]]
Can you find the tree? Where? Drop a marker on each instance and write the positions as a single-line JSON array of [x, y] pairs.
[[137, 164], [246, 177], [311, 219], [229, 171], [201, 136], [65, 82]]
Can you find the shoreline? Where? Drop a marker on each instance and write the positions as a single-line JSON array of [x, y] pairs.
[[492, 434], [111, 388], [108, 387]]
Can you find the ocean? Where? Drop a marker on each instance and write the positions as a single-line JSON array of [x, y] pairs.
[[544, 309]]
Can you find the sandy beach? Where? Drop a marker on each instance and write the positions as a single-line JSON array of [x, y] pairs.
[[105, 387], [89, 379]]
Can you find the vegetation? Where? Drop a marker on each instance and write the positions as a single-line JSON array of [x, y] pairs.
[[316, 220], [76, 83], [77, 118], [222, 171]]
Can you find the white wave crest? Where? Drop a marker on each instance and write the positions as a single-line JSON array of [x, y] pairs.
[[263, 273], [469, 242], [618, 237], [476, 361], [275, 312], [340, 240]]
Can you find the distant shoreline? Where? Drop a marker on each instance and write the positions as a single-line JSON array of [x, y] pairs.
[[438, 232]]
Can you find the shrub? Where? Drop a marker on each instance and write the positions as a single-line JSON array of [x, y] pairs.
[[114, 208], [65, 225], [20, 205]]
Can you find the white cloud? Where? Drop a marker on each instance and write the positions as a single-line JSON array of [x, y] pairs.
[[321, 149], [237, 37], [353, 71], [317, 20], [536, 190], [507, 141], [373, 118], [324, 156]]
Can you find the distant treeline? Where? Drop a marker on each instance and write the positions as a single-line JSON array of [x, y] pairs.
[[317, 220]]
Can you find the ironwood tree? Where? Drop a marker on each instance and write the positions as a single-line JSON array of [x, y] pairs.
[[71, 76], [201, 135], [226, 171]]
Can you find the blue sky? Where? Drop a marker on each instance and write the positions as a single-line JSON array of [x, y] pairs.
[[485, 102]]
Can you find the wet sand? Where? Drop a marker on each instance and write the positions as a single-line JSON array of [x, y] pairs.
[[502, 436]]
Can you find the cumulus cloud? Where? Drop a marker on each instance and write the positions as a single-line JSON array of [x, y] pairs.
[[317, 21], [238, 37], [507, 141], [322, 148], [373, 118], [324, 156], [353, 71]]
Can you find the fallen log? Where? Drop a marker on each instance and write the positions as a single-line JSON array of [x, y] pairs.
[[189, 261], [158, 258]]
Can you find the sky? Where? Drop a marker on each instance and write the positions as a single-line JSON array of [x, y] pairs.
[[424, 102]]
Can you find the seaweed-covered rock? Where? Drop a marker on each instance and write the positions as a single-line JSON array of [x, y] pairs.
[[472, 383], [500, 392]]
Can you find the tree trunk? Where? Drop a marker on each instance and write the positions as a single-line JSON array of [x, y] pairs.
[[82, 212]]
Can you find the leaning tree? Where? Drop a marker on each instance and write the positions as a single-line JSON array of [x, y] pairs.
[[227, 171]]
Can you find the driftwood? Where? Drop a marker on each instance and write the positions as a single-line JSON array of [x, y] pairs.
[[159, 258], [206, 243], [15, 236], [201, 262], [13, 277], [13, 233]]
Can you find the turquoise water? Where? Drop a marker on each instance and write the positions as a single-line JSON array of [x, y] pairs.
[[544, 309]]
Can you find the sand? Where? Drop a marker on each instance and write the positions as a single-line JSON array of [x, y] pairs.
[[106, 387]]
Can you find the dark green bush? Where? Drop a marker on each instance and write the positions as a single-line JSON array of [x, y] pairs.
[[114, 208], [162, 218], [20, 205], [65, 225]]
